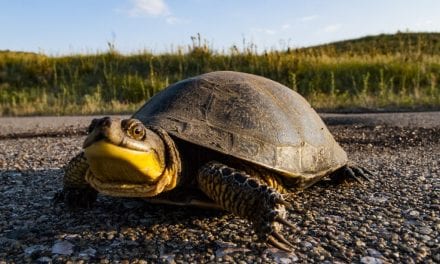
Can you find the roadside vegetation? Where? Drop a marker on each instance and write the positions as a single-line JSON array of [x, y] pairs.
[[398, 71]]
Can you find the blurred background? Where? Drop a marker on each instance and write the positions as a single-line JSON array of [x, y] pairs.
[[91, 57]]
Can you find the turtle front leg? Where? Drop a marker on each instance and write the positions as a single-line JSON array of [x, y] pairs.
[[245, 196], [76, 192]]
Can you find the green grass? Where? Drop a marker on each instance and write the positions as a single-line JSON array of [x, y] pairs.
[[399, 71]]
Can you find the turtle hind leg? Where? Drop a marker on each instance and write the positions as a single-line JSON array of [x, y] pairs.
[[76, 192], [352, 171], [245, 196]]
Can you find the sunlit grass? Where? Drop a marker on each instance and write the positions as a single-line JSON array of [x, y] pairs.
[[398, 71]]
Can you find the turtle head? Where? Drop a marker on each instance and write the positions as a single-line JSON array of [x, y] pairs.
[[128, 159]]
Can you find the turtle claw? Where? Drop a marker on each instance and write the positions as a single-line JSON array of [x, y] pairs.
[[281, 238], [284, 222], [280, 245], [366, 171], [273, 236], [352, 171], [362, 172], [285, 203], [276, 239]]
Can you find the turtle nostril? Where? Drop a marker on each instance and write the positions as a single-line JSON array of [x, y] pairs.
[[124, 123]]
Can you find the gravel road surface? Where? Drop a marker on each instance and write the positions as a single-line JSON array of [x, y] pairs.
[[394, 219]]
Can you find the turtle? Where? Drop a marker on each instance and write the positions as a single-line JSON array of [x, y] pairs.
[[224, 140]]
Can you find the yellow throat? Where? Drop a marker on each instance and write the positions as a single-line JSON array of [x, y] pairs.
[[120, 171]]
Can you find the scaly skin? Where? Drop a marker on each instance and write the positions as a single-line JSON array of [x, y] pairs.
[[75, 171], [248, 197], [76, 193]]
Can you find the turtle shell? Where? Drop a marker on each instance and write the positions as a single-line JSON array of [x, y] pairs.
[[250, 118]]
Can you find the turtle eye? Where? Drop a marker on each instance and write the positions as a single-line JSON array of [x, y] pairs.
[[137, 131]]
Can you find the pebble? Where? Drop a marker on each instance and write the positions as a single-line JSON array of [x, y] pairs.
[[44, 260], [414, 214], [34, 250], [62, 248], [371, 260], [425, 230], [306, 244], [90, 252], [360, 243], [374, 253]]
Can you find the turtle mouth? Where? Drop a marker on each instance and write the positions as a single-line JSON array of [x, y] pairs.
[[111, 163]]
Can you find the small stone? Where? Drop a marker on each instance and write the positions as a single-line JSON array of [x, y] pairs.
[[426, 238], [380, 199], [425, 230], [227, 258], [374, 253], [221, 252], [168, 258], [423, 251], [224, 244], [414, 214], [42, 219], [281, 256], [44, 260], [15, 174], [62, 248], [90, 252], [371, 260], [71, 236], [34, 250], [306, 244], [360, 243]]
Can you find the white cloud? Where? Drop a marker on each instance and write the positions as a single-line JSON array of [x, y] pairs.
[[152, 8], [172, 20], [285, 26], [308, 18], [269, 31], [149, 7], [264, 30], [332, 28], [421, 24]]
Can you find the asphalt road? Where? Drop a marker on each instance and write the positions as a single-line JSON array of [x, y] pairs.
[[393, 219], [50, 125]]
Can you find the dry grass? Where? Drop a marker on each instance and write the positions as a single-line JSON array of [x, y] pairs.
[[396, 71]]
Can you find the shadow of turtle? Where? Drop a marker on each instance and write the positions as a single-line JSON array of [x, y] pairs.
[[112, 227]]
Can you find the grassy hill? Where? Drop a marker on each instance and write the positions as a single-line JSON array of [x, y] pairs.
[[386, 71], [392, 44]]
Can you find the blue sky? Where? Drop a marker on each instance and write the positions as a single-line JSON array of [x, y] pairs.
[[60, 27]]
